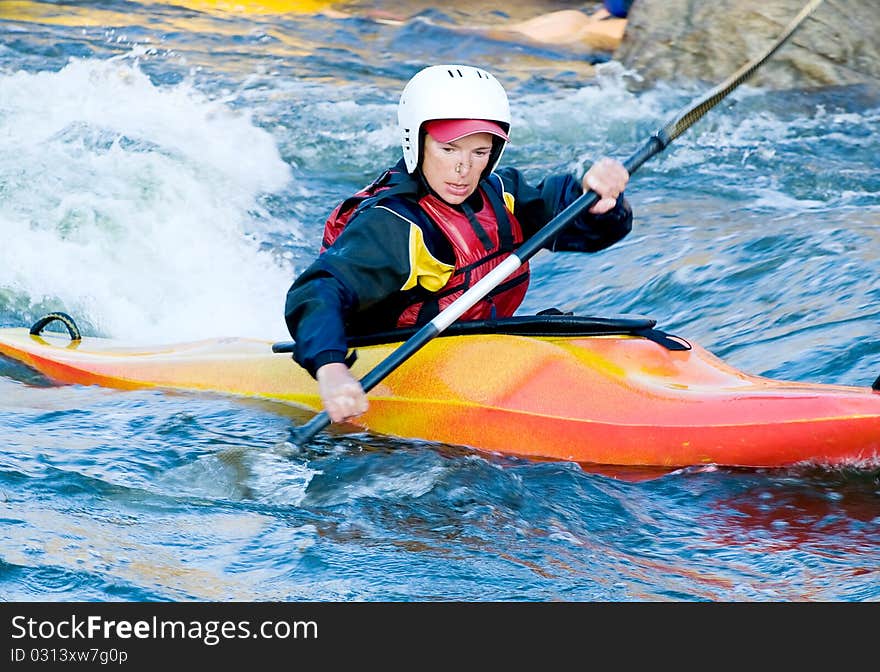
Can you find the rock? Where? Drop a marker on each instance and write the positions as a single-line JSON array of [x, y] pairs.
[[699, 41]]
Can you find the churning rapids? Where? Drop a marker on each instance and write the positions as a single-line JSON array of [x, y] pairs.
[[165, 173]]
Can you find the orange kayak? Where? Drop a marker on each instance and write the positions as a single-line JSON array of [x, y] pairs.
[[602, 391]]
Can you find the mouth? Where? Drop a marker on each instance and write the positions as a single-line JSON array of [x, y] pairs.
[[457, 189]]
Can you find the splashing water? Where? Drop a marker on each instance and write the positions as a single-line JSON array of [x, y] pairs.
[[138, 206]]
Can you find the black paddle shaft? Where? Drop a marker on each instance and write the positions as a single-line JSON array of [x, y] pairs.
[[653, 145]]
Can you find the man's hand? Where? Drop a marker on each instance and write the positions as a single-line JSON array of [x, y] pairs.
[[342, 394], [608, 178]]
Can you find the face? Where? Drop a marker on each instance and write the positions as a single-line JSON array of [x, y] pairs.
[[470, 155]]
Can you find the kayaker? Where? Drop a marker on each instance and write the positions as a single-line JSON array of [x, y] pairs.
[[409, 244]]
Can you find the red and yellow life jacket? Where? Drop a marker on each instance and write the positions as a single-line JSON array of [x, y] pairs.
[[480, 241]]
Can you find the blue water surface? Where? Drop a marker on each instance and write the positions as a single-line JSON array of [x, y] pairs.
[[165, 172]]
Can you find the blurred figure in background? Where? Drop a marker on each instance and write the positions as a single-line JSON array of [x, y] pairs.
[[603, 29]]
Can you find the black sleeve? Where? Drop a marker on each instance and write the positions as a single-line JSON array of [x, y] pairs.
[[535, 206], [367, 263], [314, 310]]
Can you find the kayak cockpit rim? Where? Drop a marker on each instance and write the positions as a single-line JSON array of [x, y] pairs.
[[546, 325]]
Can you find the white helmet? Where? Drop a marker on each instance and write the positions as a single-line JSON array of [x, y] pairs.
[[450, 92]]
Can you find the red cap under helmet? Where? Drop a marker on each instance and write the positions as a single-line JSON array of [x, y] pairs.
[[449, 130]]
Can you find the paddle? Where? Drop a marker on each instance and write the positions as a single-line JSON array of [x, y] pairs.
[[654, 145]]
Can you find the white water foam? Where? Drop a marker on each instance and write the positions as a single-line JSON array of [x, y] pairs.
[[137, 205]]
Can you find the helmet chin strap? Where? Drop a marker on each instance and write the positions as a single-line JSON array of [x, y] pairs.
[[495, 156]]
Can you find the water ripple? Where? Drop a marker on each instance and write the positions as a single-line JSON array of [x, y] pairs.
[[182, 180]]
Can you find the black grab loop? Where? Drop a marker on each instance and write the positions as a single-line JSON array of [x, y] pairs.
[[64, 318], [876, 385]]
